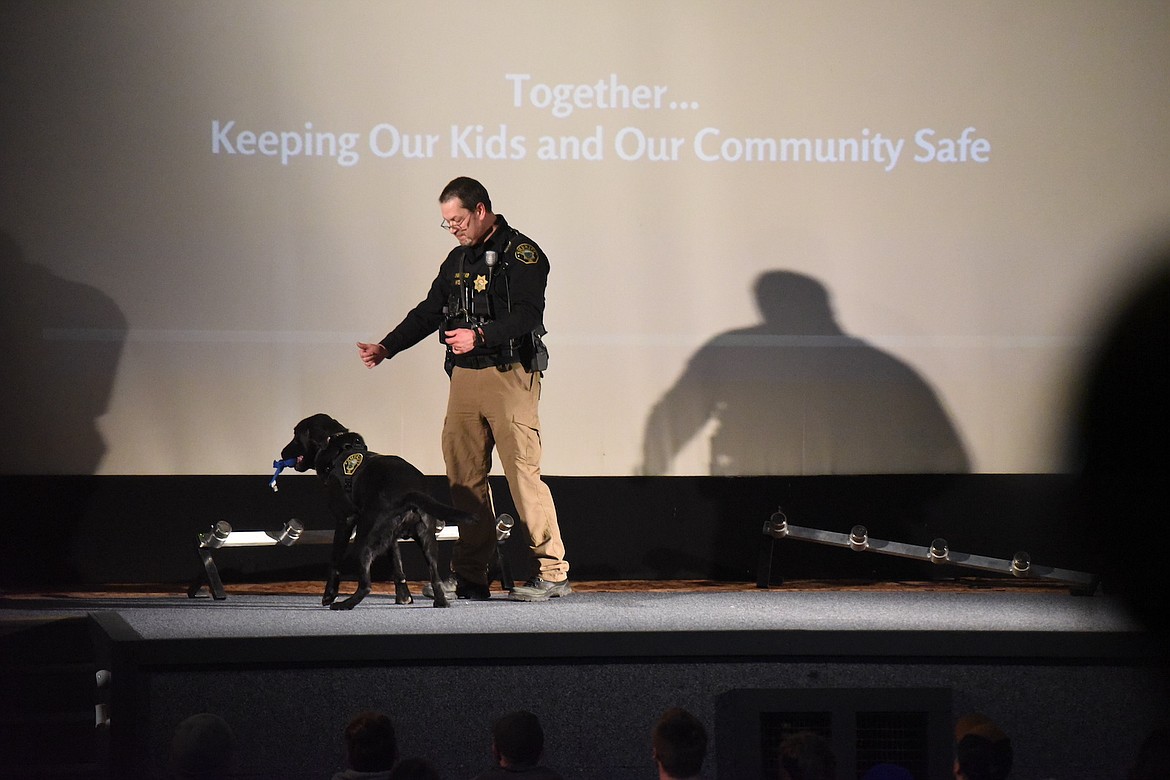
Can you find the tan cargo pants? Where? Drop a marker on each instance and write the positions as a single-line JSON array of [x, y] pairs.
[[490, 408]]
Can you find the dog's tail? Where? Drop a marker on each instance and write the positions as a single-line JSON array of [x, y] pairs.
[[449, 515]]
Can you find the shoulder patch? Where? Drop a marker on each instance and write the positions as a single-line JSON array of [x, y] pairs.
[[527, 254], [351, 464]]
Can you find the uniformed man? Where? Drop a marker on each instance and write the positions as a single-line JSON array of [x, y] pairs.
[[488, 304]]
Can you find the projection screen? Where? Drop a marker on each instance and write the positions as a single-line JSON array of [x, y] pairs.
[[786, 237]]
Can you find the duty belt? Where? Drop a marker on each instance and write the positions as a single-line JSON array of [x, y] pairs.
[[485, 361]]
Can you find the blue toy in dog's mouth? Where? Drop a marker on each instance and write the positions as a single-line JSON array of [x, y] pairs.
[[280, 465]]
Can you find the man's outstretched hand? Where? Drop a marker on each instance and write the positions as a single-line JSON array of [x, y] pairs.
[[371, 354]]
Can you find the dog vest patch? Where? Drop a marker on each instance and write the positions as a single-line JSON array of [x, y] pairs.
[[351, 464]]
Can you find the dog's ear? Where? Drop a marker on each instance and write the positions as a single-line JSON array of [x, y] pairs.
[[331, 427], [318, 430], [311, 440]]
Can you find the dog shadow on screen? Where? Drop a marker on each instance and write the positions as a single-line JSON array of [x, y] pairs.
[[379, 500]]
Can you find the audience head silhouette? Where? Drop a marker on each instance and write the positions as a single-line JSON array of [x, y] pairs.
[[680, 744], [203, 746], [370, 742]]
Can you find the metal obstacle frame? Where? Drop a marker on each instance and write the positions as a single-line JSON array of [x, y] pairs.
[[858, 539], [222, 535]]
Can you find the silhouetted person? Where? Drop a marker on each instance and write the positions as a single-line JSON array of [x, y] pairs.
[[203, 747], [1120, 450], [517, 747], [795, 395], [371, 748], [982, 750], [680, 745]]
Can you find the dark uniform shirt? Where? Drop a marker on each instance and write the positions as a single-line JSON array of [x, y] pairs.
[[506, 300]]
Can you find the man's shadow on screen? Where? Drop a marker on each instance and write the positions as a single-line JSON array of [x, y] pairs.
[[62, 341], [795, 395]]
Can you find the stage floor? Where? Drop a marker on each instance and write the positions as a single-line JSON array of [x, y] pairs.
[[968, 618]]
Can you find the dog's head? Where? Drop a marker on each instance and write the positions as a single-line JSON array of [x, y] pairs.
[[310, 439]]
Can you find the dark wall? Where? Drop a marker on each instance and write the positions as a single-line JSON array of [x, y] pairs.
[[101, 529]]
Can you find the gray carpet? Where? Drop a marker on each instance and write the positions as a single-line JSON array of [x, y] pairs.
[[764, 610]]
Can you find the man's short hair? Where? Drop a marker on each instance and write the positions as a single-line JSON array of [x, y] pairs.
[[518, 737], [680, 743], [469, 191], [370, 742]]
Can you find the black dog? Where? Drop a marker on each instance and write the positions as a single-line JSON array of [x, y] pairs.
[[382, 496]]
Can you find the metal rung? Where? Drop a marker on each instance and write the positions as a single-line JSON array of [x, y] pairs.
[[267, 539]]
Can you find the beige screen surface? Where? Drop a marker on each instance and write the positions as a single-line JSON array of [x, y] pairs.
[[785, 237]]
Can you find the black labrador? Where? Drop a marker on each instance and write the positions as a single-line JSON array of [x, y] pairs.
[[382, 497]]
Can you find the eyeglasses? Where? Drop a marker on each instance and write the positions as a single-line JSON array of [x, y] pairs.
[[457, 224]]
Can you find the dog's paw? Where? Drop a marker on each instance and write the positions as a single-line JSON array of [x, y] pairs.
[[332, 588], [348, 604], [402, 593]]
